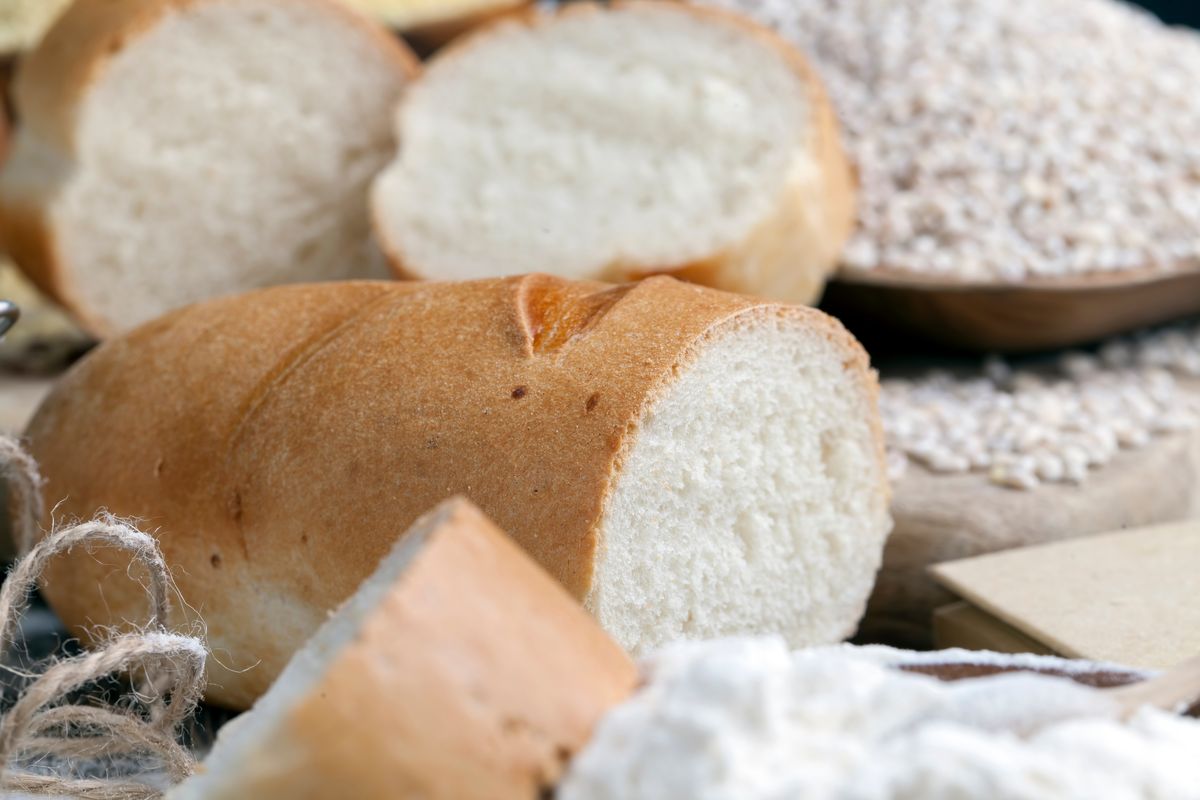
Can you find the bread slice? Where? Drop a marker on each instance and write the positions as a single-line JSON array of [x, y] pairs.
[[172, 151], [612, 142], [458, 671], [688, 463]]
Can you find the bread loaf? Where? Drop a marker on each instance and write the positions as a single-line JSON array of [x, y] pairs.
[[172, 151], [612, 142], [459, 671], [688, 463]]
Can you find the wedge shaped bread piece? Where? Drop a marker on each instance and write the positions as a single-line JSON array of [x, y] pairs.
[[607, 143], [173, 151], [458, 671], [688, 463]]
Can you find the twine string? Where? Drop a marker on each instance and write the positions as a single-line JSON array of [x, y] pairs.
[[20, 472], [167, 668]]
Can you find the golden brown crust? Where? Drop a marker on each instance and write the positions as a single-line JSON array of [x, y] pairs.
[[475, 678], [279, 439], [149, 417], [789, 255], [51, 83]]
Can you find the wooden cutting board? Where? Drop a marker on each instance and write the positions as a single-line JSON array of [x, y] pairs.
[[1130, 597]]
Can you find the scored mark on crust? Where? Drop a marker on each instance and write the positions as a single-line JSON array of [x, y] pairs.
[[295, 358], [235, 513], [551, 312], [287, 365]]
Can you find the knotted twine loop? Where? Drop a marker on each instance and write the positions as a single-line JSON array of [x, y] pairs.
[[104, 530], [20, 472], [170, 666]]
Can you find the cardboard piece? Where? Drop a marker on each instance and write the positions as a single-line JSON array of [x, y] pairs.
[[1131, 597], [963, 625]]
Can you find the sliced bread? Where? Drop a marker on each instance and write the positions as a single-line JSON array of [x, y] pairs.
[[173, 151], [458, 671], [612, 142], [688, 463]]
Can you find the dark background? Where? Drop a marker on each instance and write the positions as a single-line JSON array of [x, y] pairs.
[[1179, 12]]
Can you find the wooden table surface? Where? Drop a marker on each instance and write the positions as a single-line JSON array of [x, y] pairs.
[[19, 397]]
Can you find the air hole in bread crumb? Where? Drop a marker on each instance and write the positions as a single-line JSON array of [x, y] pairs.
[[829, 451], [519, 392]]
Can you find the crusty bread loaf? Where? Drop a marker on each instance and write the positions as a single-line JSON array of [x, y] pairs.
[[172, 151], [612, 142], [458, 671], [688, 463]]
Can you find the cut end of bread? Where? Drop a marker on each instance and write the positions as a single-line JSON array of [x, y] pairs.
[[612, 142], [753, 498], [188, 150], [458, 670]]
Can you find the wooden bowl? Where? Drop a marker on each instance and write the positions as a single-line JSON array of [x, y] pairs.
[[957, 665], [1039, 314]]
